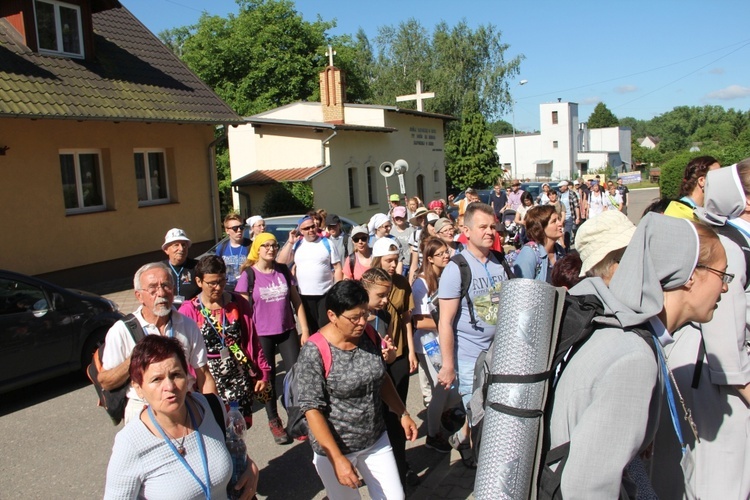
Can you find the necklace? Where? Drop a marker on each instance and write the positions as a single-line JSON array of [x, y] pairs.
[[181, 443]]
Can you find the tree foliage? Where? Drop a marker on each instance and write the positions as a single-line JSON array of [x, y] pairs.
[[602, 117], [263, 57], [471, 153], [500, 127]]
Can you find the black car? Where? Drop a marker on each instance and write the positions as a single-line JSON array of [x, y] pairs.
[[47, 330], [535, 188]]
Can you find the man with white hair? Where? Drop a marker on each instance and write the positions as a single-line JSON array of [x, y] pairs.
[[154, 289], [176, 245]]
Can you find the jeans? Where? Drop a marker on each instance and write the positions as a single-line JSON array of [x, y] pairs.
[[569, 232]]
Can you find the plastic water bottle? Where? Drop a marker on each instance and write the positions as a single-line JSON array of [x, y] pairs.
[[432, 349], [236, 445]]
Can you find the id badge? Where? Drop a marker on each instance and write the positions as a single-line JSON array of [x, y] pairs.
[[224, 353], [179, 299]]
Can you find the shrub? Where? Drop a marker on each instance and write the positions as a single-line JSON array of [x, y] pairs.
[[288, 198], [672, 171]]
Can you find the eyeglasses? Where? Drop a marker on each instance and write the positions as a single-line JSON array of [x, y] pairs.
[[438, 255], [448, 229], [234, 228], [355, 320], [153, 289], [307, 228], [726, 278], [268, 246], [215, 284], [358, 239], [259, 224]]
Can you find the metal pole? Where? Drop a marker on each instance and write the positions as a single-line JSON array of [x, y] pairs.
[[515, 161]]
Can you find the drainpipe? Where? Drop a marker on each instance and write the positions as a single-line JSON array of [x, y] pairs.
[[212, 174], [323, 147]]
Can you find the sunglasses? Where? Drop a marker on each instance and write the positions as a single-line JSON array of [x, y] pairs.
[[307, 228], [235, 228], [358, 239]]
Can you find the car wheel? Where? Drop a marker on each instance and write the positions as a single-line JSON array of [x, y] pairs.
[[93, 342]]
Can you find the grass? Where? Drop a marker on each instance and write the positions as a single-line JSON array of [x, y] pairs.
[[643, 185]]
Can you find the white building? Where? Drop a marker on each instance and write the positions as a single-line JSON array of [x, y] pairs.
[[564, 148], [337, 148]]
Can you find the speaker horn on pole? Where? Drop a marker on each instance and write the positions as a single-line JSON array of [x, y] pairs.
[[386, 169], [400, 167]]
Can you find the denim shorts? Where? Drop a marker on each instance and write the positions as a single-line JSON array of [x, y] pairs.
[[465, 375]]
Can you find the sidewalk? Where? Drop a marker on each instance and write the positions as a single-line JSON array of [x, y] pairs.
[[443, 476]]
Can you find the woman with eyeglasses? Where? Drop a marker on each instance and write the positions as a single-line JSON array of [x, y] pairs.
[[446, 231], [710, 361], [274, 299], [385, 254], [360, 260], [235, 357], [436, 257], [344, 408]]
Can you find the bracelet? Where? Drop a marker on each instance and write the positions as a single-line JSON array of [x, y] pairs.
[[404, 414]]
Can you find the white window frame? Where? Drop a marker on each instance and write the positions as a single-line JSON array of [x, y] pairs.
[[151, 200], [59, 31], [79, 185]]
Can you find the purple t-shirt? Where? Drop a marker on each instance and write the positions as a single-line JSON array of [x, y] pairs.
[[272, 311]]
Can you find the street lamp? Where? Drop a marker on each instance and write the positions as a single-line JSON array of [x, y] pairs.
[[513, 114]]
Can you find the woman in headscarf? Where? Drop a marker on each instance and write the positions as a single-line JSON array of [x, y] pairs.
[[711, 366], [607, 399], [380, 227], [256, 224], [270, 289]]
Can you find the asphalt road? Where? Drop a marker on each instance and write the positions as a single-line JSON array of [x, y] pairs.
[[56, 443]]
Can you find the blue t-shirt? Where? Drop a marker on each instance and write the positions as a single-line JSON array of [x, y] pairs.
[[486, 280], [233, 257]]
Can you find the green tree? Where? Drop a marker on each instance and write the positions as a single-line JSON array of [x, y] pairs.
[[500, 127], [672, 171], [602, 117], [287, 198], [263, 57], [471, 154]]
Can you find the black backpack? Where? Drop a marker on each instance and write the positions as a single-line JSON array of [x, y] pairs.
[[113, 401]]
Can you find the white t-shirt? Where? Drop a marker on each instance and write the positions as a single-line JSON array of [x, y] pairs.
[[614, 201], [597, 204], [314, 261], [119, 343], [422, 306]]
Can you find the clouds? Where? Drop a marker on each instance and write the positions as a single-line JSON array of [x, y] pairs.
[[588, 101], [625, 89], [717, 71], [729, 93]]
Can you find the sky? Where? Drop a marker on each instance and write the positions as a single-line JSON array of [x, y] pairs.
[[641, 58]]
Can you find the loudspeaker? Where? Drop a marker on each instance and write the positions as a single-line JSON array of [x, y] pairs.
[[386, 169], [401, 167]]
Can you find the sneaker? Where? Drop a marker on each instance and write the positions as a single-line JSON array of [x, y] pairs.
[[456, 444], [302, 438], [438, 443], [412, 478], [277, 429]]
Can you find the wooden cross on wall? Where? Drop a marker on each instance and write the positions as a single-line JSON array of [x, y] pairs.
[[419, 96]]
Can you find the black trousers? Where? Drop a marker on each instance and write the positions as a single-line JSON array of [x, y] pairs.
[[399, 373], [315, 310], [288, 345]]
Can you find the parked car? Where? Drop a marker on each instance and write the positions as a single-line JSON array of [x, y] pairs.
[[279, 227], [535, 188], [48, 330], [484, 197]]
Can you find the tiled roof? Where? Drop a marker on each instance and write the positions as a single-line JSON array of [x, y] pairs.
[[133, 77], [280, 175]]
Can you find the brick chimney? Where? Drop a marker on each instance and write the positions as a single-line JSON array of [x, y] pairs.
[[332, 92]]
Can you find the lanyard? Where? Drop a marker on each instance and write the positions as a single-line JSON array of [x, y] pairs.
[[484, 265], [177, 274], [210, 320], [206, 487]]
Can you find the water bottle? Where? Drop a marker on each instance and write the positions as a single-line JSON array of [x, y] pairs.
[[432, 349], [236, 445]]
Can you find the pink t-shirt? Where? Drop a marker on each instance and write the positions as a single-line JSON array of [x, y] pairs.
[[272, 310], [359, 268]]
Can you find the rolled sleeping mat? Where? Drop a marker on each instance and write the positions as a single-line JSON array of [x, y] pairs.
[[527, 325]]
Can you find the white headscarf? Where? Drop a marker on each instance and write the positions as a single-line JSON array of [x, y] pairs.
[[376, 221]]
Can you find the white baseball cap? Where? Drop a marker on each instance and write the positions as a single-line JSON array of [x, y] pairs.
[[385, 246]]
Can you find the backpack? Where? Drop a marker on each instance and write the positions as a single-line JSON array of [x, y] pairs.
[[512, 256], [115, 400], [731, 231], [465, 272], [251, 279], [296, 421], [352, 262]]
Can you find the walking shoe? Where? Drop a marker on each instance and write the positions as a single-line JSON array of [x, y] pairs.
[[277, 429], [456, 444], [438, 443]]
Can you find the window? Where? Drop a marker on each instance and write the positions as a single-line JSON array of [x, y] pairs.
[[58, 28], [151, 176], [353, 188], [554, 144], [372, 186], [436, 175], [554, 118], [19, 297], [83, 189]]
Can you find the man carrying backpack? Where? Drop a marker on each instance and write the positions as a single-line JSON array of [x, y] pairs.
[[467, 320]]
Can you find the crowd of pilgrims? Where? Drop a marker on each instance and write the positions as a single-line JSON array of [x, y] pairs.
[[372, 294]]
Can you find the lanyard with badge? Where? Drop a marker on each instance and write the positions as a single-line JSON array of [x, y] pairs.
[[224, 352], [206, 487], [179, 298]]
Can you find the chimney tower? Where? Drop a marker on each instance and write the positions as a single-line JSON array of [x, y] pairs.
[[332, 91]]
